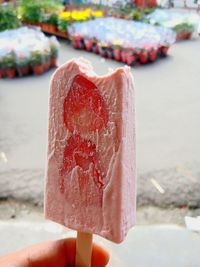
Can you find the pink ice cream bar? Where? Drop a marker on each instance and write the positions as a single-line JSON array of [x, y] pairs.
[[90, 184]]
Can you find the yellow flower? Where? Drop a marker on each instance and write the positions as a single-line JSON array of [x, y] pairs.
[[97, 13], [117, 42], [65, 15], [80, 15]]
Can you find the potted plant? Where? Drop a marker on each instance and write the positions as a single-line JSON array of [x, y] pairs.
[[45, 27], [2, 69], [183, 30], [76, 42], [52, 22], [37, 60], [54, 55], [9, 19], [136, 14], [103, 49], [124, 54], [131, 57], [95, 46], [88, 44], [9, 65], [153, 54], [117, 51], [164, 50], [23, 67], [63, 25], [47, 58], [31, 12], [143, 56]]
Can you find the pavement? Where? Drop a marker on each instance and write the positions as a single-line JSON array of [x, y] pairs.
[[155, 246], [160, 238]]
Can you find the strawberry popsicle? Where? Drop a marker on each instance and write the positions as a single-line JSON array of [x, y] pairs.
[[90, 183]]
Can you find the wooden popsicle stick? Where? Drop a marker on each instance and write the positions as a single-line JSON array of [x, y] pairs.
[[83, 249]]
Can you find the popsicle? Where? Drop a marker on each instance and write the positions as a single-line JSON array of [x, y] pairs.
[[91, 169]]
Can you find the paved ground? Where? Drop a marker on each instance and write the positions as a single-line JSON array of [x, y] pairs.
[[168, 129], [11, 210], [156, 246], [162, 244]]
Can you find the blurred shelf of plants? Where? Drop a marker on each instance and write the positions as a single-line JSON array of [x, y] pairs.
[[52, 17]]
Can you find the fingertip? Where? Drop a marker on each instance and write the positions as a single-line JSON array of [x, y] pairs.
[[70, 250], [100, 256]]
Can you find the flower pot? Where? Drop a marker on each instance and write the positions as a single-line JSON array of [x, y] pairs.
[[117, 54], [188, 35], [37, 24], [123, 56], [44, 27], [2, 73], [88, 44], [10, 72], [109, 52], [48, 28], [143, 57], [23, 70], [55, 30], [81, 44], [152, 55], [103, 52], [53, 62], [76, 43], [38, 69], [130, 59], [95, 48], [52, 29], [164, 50], [183, 36], [46, 65]]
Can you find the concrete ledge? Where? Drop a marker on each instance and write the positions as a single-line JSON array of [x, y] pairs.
[[177, 187]]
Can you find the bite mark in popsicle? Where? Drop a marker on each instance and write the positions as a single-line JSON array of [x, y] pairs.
[[84, 108]]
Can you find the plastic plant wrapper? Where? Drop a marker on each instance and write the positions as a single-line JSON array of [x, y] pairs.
[[179, 22], [127, 33], [122, 40], [22, 42]]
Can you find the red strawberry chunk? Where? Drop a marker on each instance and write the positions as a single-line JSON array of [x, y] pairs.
[[80, 152], [84, 108]]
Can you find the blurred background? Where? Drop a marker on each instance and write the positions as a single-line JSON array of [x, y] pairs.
[[159, 40]]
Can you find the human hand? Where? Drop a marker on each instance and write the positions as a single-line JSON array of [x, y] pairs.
[[59, 253]]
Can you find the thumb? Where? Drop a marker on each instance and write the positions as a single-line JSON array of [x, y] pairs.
[[100, 257]]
